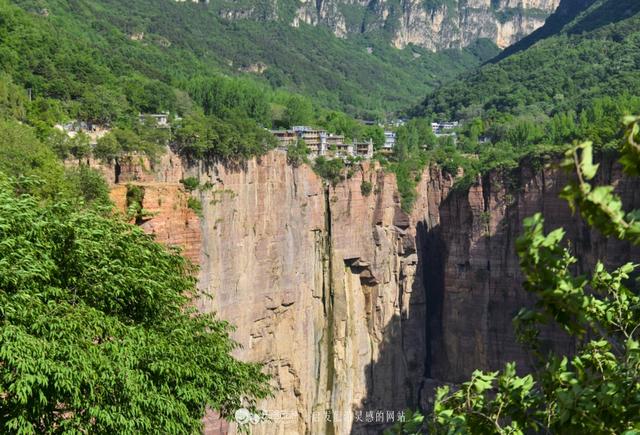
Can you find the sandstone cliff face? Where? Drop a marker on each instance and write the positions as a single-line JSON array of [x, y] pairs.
[[353, 306], [434, 24], [320, 281]]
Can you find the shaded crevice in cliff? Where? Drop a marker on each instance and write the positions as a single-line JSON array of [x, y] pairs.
[[326, 349], [117, 170], [433, 253]]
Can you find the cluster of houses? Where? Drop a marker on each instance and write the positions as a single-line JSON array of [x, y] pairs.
[[321, 143], [158, 120], [92, 131]]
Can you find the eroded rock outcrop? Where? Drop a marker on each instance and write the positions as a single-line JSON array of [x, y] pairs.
[[434, 24], [355, 307]]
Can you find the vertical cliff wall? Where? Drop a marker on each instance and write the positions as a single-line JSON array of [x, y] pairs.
[[433, 24], [353, 306], [324, 285], [480, 291]]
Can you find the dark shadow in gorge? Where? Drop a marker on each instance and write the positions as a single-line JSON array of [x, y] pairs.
[[395, 378]]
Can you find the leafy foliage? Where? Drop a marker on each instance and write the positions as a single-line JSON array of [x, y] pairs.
[[298, 154], [411, 425], [366, 188], [142, 139], [211, 138], [96, 333], [417, 147], [298, 111], [190, 183], [195, 205], [88, 184]]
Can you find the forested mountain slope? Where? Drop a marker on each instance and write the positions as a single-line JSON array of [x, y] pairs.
[[594, 54], [565, 14], [172, 41]]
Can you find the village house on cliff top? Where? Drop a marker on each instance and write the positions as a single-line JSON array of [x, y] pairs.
[[322, 143]]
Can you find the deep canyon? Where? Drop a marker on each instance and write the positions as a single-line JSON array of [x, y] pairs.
[[352, 304]]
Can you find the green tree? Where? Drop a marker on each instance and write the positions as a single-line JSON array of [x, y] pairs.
[[414, 136], [211, 138], [223, 97], [331, 170], [97, 333], [23, 155], [13, 99], [108, 148], [102, 105], [376, 134], [120, 141], [298, 153], [88, 184], [79, 146], [597, 389], [298, 111], [340, 123]]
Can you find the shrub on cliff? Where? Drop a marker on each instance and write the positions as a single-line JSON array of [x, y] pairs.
[[331, 170], [298, 154], [39, 171], [366, 188], [596, 390], [97, 333]]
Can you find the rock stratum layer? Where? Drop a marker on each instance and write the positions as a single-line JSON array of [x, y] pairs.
[[434, 24], [354, 306]]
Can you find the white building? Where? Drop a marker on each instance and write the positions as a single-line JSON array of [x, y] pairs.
[[389, 141], [322, 143], [444, 128]]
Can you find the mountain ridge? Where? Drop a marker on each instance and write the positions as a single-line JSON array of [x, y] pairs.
[[432, 24]]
